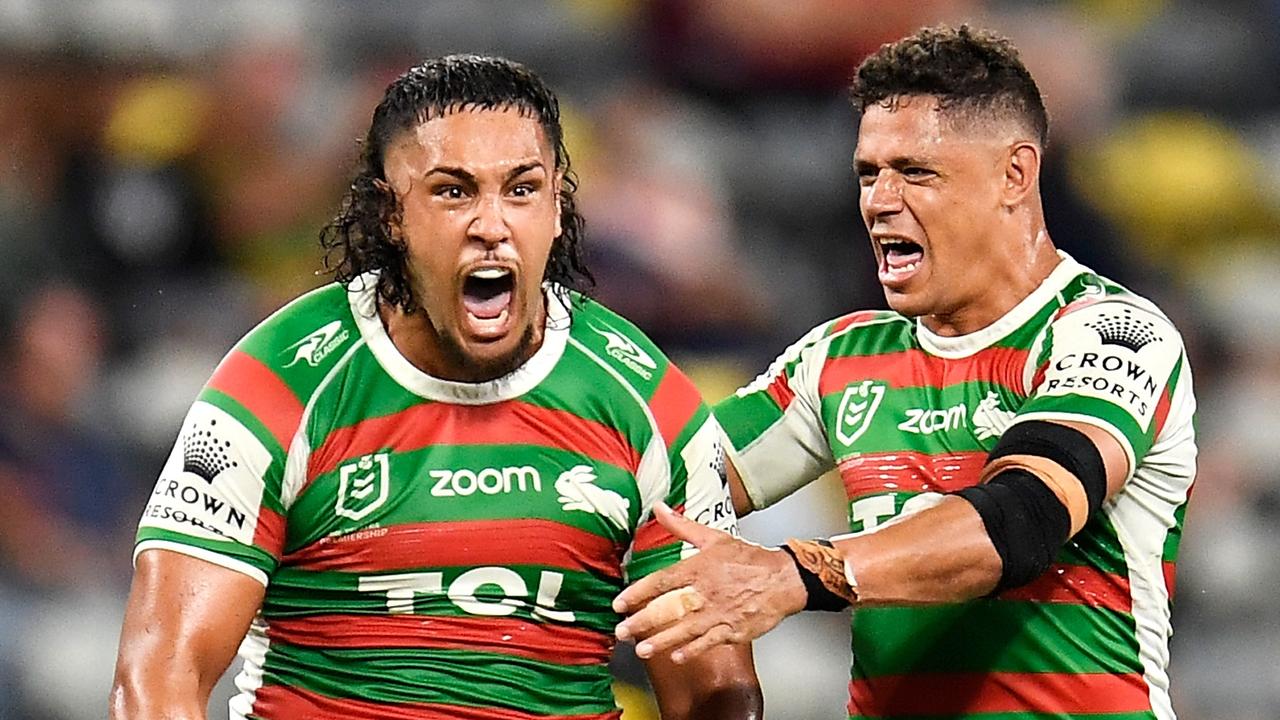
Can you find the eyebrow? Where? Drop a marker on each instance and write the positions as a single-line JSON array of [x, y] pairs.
[[467, 177], [896, 163]]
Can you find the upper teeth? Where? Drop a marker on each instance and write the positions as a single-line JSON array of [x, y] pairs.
[[490, 273]]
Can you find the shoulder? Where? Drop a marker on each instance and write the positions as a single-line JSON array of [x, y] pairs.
[[617, 344], [1115, 313], [304, 334], [270, 375], [623, 352]]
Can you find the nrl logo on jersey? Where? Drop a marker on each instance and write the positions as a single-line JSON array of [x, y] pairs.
[[363, 486], [317, 346], [626, 351], [857, 406]]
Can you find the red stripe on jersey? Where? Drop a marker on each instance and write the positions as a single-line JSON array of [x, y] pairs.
[[1038, 378], [261, 392], [674, 403], [907, 471], [652, 535], [853, 318], [545, 642], [780, 391], [917, 368], [506, 423], [269, 534], [1162, 411], [278, 702], [1057, 694], [1076, 585], [526, 541], [1077, 304], [1170, 576]]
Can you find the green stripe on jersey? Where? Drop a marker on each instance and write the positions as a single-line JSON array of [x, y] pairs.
[[249, 554], [470, 482], [455, 677], [745, 418], [875, 339], [927, 419], [1174, 538], [993, 636], [1089, 409], [302, 341]]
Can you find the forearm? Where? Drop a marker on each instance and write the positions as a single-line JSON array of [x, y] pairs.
[[942, 554], [718, 685]]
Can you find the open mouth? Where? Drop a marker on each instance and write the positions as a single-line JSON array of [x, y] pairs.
[[486, 296], [901, 259]]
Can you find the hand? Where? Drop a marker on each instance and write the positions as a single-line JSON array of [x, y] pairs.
[[732, 591]]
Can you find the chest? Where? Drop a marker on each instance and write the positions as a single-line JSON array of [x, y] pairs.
[[911, 423], [440, 485]]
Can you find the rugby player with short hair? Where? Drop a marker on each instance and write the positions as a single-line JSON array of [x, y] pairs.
[[1015, 436], [413, 493]]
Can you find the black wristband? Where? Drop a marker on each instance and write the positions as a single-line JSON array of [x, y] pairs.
[[817, 596]]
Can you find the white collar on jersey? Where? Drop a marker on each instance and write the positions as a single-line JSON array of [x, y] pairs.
[[965, 345], [363, 298]]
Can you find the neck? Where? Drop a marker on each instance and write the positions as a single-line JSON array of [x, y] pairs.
[[1004, 286], [417, 339]]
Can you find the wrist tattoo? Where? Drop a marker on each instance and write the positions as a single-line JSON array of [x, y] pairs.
[[822, 570]]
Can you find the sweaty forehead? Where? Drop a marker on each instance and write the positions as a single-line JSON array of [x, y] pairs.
[[475, 140]]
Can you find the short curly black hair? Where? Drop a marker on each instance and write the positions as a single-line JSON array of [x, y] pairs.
[[977, 73], [365, 234]]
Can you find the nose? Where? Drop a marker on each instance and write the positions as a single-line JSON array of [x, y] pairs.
[[884, 195], [489, 225]]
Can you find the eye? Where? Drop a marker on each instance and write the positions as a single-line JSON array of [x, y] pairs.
[[523, 189], [915, 172], [450, 192]]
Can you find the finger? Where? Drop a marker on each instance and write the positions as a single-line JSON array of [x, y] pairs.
[[697, 534], [643, 591], [667, 608], [693, 626], [719, 635]]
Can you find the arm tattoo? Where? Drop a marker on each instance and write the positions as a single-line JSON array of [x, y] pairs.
[[827, 564]]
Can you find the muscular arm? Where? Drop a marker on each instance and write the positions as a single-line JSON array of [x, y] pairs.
[[734, 591], [183, 622], [720, 684]]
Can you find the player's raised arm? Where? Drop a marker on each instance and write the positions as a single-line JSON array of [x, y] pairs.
[[183, 622]]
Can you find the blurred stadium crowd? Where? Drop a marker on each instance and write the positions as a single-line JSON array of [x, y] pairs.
[[165, 167]]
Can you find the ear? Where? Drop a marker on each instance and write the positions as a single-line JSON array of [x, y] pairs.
[[1021, 173]]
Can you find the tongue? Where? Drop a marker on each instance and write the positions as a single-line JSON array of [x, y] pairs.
[[896, 260], [487, 307]]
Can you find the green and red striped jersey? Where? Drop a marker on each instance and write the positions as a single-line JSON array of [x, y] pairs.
[[435, 549], [904, 414]]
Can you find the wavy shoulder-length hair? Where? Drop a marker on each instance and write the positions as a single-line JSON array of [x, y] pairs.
[[365, 235]]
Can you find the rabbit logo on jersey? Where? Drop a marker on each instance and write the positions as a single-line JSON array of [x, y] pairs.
[[857, 406], [363, 486], [578, 491]]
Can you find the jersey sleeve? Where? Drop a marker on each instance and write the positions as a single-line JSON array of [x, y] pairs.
[[1112, 364], [690, 439], [773, 427], [218, 497]]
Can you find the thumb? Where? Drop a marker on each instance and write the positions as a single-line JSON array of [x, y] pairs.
[[696, 534]]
